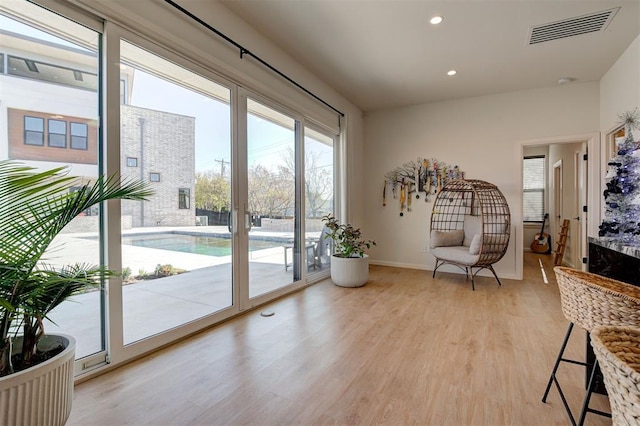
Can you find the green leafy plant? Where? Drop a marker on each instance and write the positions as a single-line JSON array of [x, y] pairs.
[[34, 207], [348, 241], [167, 270], [126, 273]]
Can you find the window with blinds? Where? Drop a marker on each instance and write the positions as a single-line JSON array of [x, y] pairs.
[[534, 184]]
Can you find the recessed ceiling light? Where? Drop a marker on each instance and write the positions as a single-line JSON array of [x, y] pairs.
[[436, 20], [452, 72]]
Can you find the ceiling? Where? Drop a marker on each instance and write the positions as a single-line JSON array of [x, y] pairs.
[[385, 53]]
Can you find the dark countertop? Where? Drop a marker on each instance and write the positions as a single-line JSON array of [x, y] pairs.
[[626, 248]]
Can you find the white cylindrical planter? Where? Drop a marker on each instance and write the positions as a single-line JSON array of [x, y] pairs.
[[40, 395], [350, 271]]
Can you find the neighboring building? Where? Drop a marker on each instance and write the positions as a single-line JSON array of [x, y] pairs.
[[159, 147], [58, 126]]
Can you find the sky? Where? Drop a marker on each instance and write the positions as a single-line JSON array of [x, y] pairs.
[[267, 142]]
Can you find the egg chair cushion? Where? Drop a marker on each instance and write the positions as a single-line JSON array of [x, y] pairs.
[[472, 227], [456, 254], [476, 244], [446, 238]]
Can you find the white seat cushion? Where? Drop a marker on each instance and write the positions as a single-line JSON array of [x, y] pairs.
[[457, 254]]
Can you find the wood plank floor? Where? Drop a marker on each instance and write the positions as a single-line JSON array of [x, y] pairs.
[[404, 350]]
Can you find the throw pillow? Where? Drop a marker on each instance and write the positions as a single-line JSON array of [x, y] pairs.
[[446, 238], [476, 244]]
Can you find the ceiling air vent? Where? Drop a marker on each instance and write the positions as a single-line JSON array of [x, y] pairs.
[[590, 23]]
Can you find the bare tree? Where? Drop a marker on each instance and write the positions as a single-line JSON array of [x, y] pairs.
[[271, 193], [318, 181]]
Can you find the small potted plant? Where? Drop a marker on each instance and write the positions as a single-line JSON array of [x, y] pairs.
[[349, 263], [34, 207]]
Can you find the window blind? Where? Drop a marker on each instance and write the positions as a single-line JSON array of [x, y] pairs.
[[534, 184]]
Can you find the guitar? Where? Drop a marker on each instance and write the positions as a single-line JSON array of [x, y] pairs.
[[541, 242]]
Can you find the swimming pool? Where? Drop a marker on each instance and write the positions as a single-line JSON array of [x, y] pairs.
[[207, 245]]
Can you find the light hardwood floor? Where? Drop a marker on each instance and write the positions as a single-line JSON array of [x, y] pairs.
[[404, 350]]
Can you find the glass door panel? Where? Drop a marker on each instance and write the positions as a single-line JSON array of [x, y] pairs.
[[319, 196], [176, 247], [271, 166], [49, 92]]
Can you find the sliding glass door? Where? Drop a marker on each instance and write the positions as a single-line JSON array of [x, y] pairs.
[[49, 91], [319, 196], [290, 186], [239, 182], [175, 134], [271, 198]]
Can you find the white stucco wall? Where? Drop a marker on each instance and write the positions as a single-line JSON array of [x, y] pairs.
[[481, 135], [620, 87]]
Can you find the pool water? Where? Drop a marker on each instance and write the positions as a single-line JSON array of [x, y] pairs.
[[210, 246]]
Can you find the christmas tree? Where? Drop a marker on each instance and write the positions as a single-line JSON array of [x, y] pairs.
[[622, 204]]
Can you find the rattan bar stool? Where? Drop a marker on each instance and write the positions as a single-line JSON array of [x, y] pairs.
[[589, 300], [618, 352]]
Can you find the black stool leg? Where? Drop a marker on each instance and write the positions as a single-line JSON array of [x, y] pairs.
[[552, 378], [587, 397]]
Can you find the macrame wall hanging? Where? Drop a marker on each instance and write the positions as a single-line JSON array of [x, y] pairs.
[[423, 175]]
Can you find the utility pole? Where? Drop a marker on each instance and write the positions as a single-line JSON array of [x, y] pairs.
[[222, 168]]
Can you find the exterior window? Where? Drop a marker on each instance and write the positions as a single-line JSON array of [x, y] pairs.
[[57, 133], [154, 177], [1, 63], [184, 198], [534, 184], [79, 135], [133, 162], [34, 131]]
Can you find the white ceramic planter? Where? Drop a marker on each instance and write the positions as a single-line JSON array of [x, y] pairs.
[[350, 271], [41, 395]]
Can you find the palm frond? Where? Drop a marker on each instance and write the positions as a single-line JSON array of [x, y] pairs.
[[54, 286], [34, 207]]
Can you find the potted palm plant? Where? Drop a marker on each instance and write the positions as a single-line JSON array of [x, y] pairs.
[[349, 263], [34, 207]]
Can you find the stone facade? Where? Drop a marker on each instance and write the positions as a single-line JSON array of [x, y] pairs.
[[162, 145]]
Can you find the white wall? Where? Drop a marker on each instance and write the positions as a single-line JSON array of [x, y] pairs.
[[619, 92], [482, 135], [620, 88]]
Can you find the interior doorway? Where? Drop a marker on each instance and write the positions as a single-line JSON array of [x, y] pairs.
[[566, 188]]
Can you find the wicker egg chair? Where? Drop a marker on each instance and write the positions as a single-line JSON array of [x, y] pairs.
[[470, 226]]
